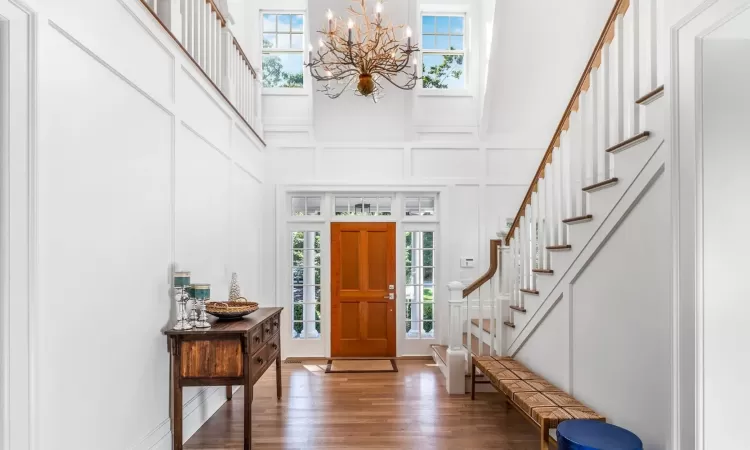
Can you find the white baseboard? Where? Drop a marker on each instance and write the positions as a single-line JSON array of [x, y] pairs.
[[196, 412]]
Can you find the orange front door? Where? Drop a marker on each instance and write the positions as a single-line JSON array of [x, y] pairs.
[[363, 278]]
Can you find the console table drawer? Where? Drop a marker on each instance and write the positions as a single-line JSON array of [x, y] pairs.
[[211, 358], [267, 327], [256, 339]]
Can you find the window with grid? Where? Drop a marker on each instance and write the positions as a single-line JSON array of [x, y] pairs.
[[306, 284], [420, 284], [283, 42], [306, 206], [443, 51], [419, 206], [362, 206]]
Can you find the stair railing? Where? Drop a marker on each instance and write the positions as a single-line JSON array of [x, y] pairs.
[[200, 28], [602, 118], [475, 310]]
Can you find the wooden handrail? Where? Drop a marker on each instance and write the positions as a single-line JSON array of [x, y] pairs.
[[244, 57], [621, 6], [215, 8], [495, 245]]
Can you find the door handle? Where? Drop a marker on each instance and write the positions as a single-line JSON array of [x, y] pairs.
[[390, 296]]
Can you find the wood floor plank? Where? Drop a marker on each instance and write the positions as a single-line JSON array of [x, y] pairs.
[[409, 409]]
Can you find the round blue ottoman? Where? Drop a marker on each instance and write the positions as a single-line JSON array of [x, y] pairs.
[[595, 435]]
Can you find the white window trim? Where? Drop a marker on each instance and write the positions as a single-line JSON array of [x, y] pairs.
[[280, 91], [448, 10]]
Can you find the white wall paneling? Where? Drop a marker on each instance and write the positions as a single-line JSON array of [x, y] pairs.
[[18, 218], [140, 166], [690, 22]]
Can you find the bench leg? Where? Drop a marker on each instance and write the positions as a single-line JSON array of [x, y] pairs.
[[545, 434], [473, 379]]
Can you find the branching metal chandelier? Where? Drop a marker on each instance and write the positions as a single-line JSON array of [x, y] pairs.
[[368, 53]]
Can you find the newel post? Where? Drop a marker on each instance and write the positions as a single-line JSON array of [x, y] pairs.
[[455, 380]]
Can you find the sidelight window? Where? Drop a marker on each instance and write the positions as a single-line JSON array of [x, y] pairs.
[[420, 284], [305, 269]]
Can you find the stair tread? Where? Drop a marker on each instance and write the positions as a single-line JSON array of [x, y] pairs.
[[578, 219], [441, 351], [530, 291], [509, 324], [559, 247], [648, 98], [518, 308], [544, 271], [601, 184], [628, 142]]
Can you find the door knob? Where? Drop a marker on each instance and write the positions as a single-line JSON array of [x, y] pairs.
[[390, 296]]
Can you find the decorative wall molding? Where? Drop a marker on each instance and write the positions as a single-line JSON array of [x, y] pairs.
[[630, 198]]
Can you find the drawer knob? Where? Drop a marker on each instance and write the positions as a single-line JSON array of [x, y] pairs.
[[256, 339], [274, 346], [275, 323], [259, 360], [268, 330]]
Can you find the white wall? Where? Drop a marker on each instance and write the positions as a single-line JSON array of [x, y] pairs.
[[140, 167], [539, 51], [726, 115], [607, 341]]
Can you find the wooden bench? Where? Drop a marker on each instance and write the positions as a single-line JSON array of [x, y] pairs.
[[533, 396]]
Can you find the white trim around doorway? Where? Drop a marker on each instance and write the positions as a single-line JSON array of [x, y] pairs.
[[288, 223]]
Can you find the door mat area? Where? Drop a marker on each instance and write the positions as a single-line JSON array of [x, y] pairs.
[[361, 366]]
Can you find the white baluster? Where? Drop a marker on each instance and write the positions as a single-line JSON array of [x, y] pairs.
[[660, 42], [559, 201], [581, 168], [571, 175], [533, 231], [184, 17], [492, 301], [513, 268], [602, 117], [648, 40], [616, 91], [211, 44], [190, 26], [631, 71], [544, 228]]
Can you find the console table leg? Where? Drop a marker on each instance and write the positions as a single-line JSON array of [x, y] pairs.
[[278, 376], [229, 392], [176, 404], [248, 403]]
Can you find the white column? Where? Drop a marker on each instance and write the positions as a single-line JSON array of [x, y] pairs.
[[455, 380], [308, 293]]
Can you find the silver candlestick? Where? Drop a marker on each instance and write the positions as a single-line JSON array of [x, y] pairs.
[[181, 281], [201, 293]]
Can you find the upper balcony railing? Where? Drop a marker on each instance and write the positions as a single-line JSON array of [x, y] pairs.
[[200, 28]]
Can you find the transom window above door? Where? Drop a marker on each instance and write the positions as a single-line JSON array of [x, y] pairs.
[[362, 206], [306, 206]]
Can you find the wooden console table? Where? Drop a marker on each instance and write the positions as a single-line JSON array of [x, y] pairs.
[[229, 353]]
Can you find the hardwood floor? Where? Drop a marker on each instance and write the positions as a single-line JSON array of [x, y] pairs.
[[405, 410]]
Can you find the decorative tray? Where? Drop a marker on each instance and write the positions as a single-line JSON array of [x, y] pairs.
[[231, 310]]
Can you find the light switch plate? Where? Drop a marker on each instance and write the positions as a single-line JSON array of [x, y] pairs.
[[467, 263]]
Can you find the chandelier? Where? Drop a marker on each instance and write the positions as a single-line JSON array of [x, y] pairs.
[[367, 52]]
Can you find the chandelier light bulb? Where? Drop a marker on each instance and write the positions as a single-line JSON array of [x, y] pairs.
[[328, 73], [329, 14], [408, 32], [379, 7], [350, 24]]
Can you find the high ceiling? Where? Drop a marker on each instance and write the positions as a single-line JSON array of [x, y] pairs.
[[539, 50]]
